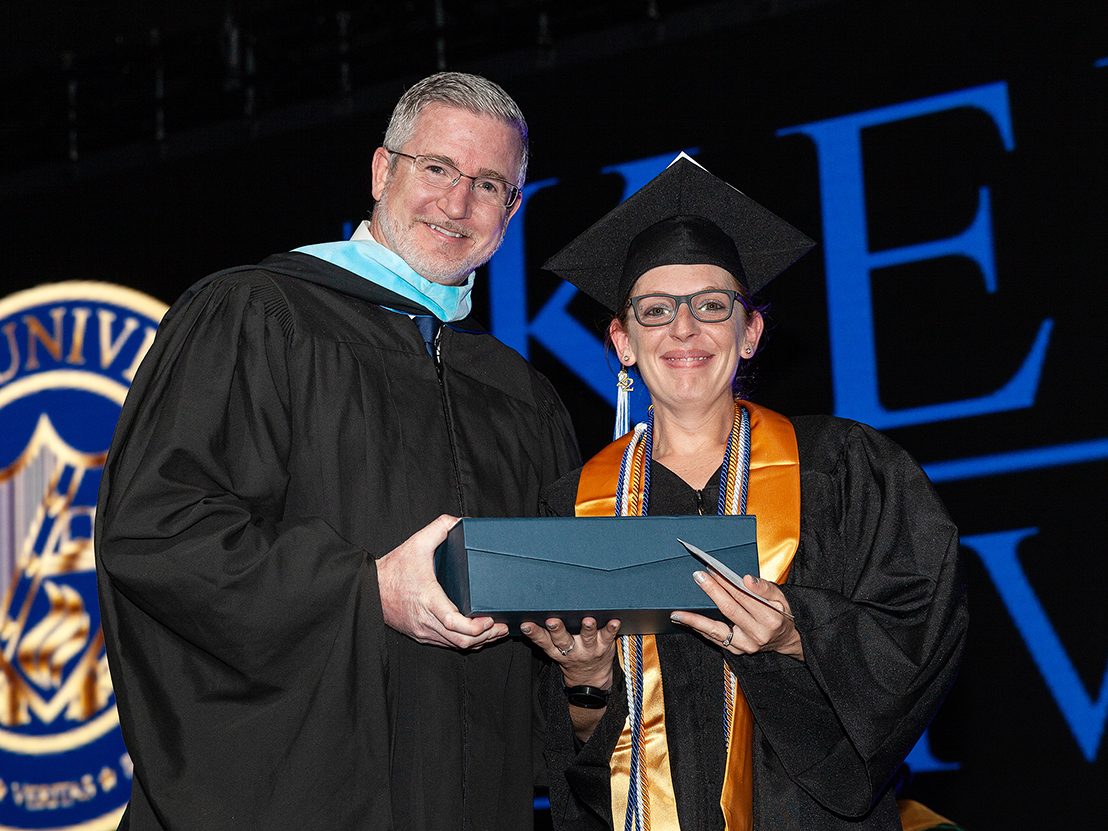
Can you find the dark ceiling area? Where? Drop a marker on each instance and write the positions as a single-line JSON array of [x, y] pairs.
[[89, 87]]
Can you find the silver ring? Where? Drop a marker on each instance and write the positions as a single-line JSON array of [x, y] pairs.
[[565, 651], [730, 637]]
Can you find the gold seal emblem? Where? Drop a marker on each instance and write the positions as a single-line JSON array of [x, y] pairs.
[[68, 352]]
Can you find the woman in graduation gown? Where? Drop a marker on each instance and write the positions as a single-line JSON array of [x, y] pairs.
[[762, 720]]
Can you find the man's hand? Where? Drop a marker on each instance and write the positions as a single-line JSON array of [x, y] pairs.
[[414, 603]]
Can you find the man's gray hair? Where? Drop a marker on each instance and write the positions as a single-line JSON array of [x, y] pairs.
[[457, 89]]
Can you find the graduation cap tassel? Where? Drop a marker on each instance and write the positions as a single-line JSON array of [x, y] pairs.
[[624, 384]]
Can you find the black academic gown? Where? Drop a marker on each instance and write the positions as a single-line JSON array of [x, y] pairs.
[[881, 613], [283, 431]]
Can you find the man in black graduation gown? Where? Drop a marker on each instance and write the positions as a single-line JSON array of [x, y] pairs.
[[282, 654]]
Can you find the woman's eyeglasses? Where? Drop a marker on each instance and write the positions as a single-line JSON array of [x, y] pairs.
[[708, 306]]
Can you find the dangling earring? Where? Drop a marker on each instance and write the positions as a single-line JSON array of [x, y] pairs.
[[624, 385]]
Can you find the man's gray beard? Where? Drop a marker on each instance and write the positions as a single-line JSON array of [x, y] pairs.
[[398, 239]]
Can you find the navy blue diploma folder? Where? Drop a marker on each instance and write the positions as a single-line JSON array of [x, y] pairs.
[[631, 568]]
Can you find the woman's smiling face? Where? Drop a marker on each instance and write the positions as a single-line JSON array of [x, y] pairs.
[[686, 362]]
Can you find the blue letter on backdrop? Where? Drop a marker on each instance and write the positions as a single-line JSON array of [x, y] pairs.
[[849, 262], [553, 326], [1084, 714]]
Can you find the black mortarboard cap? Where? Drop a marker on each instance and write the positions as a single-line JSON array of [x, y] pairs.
[[684, 215]]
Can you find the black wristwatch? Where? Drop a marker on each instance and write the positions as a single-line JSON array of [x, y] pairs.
[[590, 698]]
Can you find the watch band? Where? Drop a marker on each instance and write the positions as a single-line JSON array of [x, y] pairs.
[[590, 698]]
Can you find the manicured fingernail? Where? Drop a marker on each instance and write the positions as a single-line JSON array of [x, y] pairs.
[[676, 618], [525, 629], [755, 579], [699, 576]]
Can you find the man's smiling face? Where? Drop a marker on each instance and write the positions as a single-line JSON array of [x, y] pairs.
[[445, 234]]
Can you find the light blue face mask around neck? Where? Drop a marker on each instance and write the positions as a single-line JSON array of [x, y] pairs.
[[372, 261]]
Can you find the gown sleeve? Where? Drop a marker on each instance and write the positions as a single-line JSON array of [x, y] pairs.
[[579, 774], [229, 624], [881, 612], [562, 455], [580, 780]]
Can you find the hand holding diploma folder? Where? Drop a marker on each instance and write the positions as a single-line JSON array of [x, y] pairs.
[[729, 575]]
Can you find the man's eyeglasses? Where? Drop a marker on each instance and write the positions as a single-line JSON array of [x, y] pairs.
[[441, 174], [708, 306]]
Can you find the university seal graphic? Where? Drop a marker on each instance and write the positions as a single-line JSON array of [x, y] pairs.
[[68, 352]]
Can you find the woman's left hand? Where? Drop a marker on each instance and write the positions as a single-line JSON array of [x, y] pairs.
[[753, 626]]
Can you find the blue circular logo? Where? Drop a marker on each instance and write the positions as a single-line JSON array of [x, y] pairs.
[[68, 352]]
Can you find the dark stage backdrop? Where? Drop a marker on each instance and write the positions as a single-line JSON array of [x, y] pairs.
[[949, 159]]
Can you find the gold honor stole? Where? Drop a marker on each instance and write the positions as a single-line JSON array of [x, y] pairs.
[[774, 497]]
